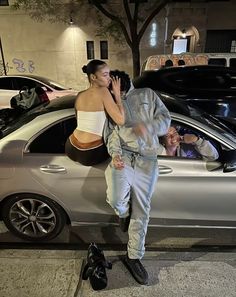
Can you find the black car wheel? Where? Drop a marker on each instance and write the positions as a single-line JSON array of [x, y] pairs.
[[33, 217]]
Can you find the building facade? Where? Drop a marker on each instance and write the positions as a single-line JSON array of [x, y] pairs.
[[59, 50]]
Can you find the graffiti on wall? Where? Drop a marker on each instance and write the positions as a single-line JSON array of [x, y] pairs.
[[19, 65], [23, 66]]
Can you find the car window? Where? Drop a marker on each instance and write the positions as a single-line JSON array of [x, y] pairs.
[[232, 62], [198, 81], [25, 82], [51, 83], [217, 61], [189, 150], [6, 83], [56, 86], [53, 139]]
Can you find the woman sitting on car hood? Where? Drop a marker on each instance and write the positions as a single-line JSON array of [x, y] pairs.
[[86, 144]]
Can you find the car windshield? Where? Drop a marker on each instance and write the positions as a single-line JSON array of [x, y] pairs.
[[68, 102], [51, 83], [213, 123]]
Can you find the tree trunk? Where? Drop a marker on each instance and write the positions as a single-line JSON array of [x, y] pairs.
[[136, 59]]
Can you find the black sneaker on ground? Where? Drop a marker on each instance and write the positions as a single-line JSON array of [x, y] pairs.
[[124, 223], [137, 270]]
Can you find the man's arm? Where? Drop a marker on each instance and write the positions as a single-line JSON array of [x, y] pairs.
[[111, 139], [159, 123], [206, 149], [202, 146]]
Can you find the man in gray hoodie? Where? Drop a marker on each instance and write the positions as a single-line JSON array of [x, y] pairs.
[[132, 174]]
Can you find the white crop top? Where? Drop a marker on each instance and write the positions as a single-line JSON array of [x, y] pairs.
[[91, 121]]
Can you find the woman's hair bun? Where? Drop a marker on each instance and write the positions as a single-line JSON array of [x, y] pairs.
[[84, 69]]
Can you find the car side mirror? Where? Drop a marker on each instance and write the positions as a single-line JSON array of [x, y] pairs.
[[229, 167]]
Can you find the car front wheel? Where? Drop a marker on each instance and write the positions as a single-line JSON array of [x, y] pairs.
[[33, 217]]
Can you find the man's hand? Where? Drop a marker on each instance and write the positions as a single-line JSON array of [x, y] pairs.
[[117, 162], [140, 130], [189, 138]]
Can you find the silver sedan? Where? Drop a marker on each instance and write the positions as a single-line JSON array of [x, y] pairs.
[[41, 189]]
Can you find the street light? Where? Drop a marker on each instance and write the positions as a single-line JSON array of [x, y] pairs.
[[71, 21]]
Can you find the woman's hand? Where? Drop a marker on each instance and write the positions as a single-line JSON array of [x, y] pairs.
[[115, 83]]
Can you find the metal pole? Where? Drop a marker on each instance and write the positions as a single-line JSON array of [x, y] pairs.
[[3, 61]]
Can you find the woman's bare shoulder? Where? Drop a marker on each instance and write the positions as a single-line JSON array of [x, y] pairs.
[[104, 93], [79, 96], [104, 90], [81, 93]]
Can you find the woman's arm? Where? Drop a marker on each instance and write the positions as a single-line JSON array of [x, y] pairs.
[[114, 108]]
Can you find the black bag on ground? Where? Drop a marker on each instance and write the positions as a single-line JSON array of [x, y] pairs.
[[95, 268], [28, 98]]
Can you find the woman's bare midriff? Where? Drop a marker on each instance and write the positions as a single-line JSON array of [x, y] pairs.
[[86, 137]]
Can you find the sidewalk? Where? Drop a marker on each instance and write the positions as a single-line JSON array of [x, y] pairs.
[[46, 273]]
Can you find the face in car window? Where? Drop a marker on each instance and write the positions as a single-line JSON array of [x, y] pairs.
[[187, 144]]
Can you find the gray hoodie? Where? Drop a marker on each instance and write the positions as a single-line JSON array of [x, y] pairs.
[[141, 106]]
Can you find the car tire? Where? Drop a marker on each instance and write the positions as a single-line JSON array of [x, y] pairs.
[[33, 217]]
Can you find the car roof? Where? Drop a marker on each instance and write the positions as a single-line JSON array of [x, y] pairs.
[[41, 79], [149, 74], [175, 80], [38, 77]]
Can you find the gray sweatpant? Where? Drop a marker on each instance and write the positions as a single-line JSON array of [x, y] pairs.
[[132, 188]]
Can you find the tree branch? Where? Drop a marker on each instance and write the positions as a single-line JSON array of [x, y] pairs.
[[136, 10], [132, 23], [151, 16], [127, 10], [114, 18]]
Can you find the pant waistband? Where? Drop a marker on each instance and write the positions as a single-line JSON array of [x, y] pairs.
[[88, 145], [136, 155]]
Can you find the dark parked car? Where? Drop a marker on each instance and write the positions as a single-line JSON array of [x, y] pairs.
[[212, 88]]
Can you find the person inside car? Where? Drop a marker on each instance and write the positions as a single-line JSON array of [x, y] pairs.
[[85, 145], [187, 145]]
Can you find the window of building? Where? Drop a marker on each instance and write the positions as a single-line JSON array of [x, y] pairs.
[[233, 46], [90, 50], [4, 3], [220, 41], [104, 49]]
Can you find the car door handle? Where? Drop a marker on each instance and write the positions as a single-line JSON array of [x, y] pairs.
[[164, 169], [52, 168]]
